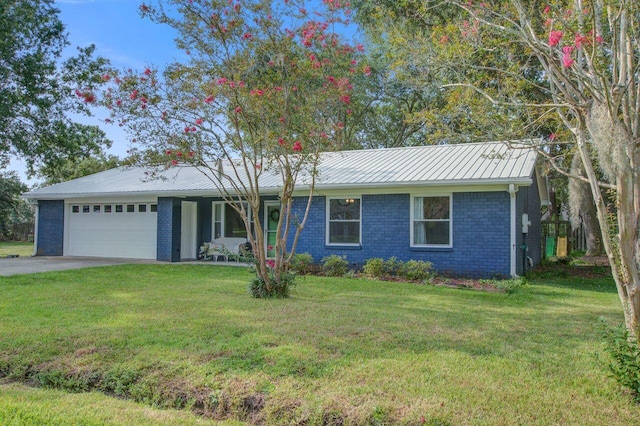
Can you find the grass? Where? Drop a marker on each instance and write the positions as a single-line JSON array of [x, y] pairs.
[[22, 405], [16, 247], [350, 351]]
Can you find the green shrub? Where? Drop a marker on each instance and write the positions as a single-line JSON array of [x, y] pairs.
[[334, 265], [415, 270], [510, 286], [624, 358], [374, 267], [301, 264], [392, 266], [278, 289]]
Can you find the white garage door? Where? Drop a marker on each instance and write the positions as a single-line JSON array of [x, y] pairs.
[[112, 230]]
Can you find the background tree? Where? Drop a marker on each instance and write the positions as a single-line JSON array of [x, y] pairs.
[[581, 58], [88, 156], [37, 89], [14, 211], [266, 90]]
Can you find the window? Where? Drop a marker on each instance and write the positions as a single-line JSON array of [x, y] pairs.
[[107, 208], [119, 208], [131, 208], [86, 209], [227, 222], [432, 221], [75, 209], [154, 208], [142, 208], [97, 208], [343, 221]]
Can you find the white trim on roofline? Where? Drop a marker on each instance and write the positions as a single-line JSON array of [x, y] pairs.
[[382, 188]]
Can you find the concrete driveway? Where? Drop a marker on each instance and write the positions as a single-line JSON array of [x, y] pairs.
[[30, 265]]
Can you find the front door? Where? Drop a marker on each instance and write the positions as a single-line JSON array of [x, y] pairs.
[[188, 229], [271, 218]]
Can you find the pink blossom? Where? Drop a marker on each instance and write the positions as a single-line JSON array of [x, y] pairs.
[[567, 60], [345, 99], [238, 110], [118, 102], [354, 62], [143, 100], [147, 71], [281, 141], [348, 112], [221, 81], [281, 119], [258, 166], [133, 95], [199, 121], [168, 152], [546, 10], [271, 264], [106, 77], [179, 154], [209, 99], [269, 247], [191, 153], [360, 47], [367, 70], [579, 40], [174, 162], [297, 146], [247, 36], [555, 37], [444, 39], [599, 39]]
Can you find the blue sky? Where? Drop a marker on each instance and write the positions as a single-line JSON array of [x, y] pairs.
[[120, 35]]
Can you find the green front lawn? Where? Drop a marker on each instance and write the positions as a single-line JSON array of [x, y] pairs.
[[340, 350], [16, 247]]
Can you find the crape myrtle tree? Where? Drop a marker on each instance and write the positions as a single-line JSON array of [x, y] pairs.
[[581, 57], [266, 89]]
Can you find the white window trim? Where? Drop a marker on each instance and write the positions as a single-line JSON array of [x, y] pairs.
[[223, 218], [411, 221], [327, 221]]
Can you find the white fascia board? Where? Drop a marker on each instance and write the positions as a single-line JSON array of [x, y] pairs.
[[472, 185]]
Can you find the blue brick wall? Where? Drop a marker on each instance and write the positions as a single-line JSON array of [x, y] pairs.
[[50, 227], [169, 232], [481, 236]]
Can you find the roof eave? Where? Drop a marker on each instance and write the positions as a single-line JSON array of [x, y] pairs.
[[274, 190]]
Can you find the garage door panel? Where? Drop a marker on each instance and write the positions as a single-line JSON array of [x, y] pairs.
[[132, 235]]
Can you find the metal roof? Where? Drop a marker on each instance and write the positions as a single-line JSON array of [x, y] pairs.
[[460, 164]]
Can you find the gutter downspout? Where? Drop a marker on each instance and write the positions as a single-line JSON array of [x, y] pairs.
[[35, 230], [512, 267]]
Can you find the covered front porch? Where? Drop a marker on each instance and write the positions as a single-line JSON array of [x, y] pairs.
[[186, 225]]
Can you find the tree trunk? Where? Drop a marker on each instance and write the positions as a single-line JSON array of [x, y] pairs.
[[582, 209], [620, 239]]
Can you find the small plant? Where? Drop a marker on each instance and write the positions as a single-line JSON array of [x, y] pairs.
[[624, 358], [301, 264], [392, 266], [334, 265], [374, 267], [278, 289], [510, 286], [415, 270]]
